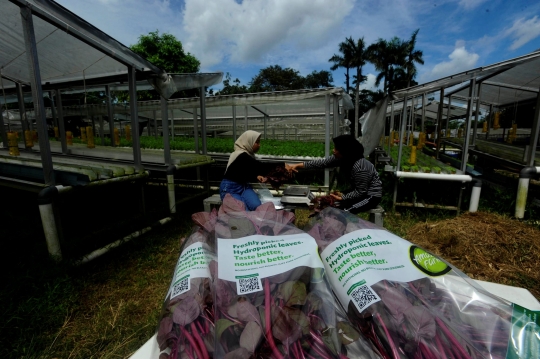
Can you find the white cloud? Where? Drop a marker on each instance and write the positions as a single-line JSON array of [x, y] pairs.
[[369, 84], [259, 31], [523, 31], [460, 60], [470, 4]]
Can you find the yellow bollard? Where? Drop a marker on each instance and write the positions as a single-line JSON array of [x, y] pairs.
[[421, 140], [69, 138], [56, 133], [34, 136], [116, 137], [411, 139], [83, 134], [496, 124], [412, 158], [127, 129], [13, 143], [28, 140], [90, 137], [460, 133], [484, 127]]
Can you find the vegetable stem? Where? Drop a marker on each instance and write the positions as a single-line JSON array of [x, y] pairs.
[[268, 322], [388, 337], [192, 342], [199, 340]]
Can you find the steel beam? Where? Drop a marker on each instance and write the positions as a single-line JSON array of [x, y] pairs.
[[37, 94], [203, 119], [465, 154], [136, 141], [61, 124], [110, 114], [165, 129]]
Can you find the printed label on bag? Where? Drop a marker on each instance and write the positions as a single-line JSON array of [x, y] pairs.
[[364, 257], [192, 263], [249, 259]]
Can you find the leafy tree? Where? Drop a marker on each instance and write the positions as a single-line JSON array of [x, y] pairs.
[[234, 88], [387, 56], [358, 60], [344, 60], [276, 78], [318, 79], [167, 53], [412, 56]]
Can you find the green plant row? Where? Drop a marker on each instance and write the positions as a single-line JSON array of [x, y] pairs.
[[424, 163], [226, 145]]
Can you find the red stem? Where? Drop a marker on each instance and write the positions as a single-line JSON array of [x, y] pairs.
[[192, 342], [442, 352], [388, 337], [267, 319], [301, 350], [199, 340]]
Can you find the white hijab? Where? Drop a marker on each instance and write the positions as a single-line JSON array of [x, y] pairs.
[[244, 143]]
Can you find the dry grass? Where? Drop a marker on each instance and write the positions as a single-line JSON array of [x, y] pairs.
[[486, 246]]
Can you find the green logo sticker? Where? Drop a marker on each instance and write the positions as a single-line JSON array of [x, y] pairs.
[[427, 262]]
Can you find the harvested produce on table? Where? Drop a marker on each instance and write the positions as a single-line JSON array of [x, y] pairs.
[[186, 327], [278, 176], [412, 304], [285, 310]]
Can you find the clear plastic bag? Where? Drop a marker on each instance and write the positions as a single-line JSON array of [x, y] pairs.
[[271, 296], [186, 327], [412, 304]]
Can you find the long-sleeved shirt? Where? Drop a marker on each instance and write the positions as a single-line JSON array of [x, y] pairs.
[[364, 177], [245, 169]]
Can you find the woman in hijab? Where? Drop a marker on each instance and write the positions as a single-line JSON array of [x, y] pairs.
[[243, 168], [366, 187]]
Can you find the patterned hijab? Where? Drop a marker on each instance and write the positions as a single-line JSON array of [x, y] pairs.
[[244, 143]]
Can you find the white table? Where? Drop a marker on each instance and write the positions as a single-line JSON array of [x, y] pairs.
[[521, 296]]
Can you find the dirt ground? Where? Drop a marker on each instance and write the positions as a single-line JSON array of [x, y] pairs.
[[486, 246]]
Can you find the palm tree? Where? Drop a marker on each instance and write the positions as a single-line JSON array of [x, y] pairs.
[[386, 56], [413, 56], [343, 60], [358, 60]]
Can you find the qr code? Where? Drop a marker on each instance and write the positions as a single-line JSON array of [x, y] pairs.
[[363, 297], [181, 287], [249, 285]]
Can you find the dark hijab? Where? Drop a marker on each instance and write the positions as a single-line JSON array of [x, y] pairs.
[[351, 151]]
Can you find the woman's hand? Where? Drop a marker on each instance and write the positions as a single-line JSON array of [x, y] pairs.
[[293, 167], [336, 196], [261, 179]]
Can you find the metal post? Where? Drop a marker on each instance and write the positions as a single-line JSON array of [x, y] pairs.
[[403, 124], [234, 122], [390, 140], [22, 113], [196, 130], [465, 149], [110, 114], [448, 114], [165, 129], [423, 112], [155, 125], [327, 138], [61, 124], [203, 119], [439, 122], [489, 120], [102, 132], [53, 110], [245, 118], [172, 124], [134, 119], [477, 115], [3, 133], [37, 94], [535, 130], [337, 132], [265, 126]]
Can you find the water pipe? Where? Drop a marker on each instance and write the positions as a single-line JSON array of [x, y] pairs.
[[475, 195], [170, 188], [99, 252], [434, 176], [46, 199], [525, 176]]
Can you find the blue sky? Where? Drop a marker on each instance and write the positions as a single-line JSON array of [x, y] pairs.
[[241, 37]]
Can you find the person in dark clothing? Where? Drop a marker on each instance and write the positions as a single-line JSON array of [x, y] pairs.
[[243, 168], [366, 187]]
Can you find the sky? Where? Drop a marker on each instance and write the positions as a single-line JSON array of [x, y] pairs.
[[242, 37]]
